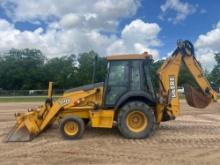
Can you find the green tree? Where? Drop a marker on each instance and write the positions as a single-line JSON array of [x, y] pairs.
[[214, 77], [101, 69], [22, 69], [154, 77], [85, 68], [30, 69], [62, 71], [185, 77]]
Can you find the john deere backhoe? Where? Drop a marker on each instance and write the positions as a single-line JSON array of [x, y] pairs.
[[126, 99]]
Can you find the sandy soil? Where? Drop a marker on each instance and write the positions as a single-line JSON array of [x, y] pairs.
[[193, 138]]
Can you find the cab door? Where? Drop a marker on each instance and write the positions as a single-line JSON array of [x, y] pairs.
[[117, 82]]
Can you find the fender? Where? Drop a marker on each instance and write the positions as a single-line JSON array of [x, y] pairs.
[[136, 95]]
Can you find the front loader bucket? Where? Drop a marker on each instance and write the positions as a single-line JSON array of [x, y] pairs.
[[18, 135], [196, 98], [24, 129]]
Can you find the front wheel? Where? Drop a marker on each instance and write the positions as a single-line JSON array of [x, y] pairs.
[[72, 127], [136, 120]]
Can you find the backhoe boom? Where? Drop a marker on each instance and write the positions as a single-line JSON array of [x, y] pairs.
[[168, 81]]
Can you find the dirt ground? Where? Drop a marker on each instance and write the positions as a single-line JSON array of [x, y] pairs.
[[193, 138]]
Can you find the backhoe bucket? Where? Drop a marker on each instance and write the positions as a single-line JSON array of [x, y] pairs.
[[18, 135], [196, 98]]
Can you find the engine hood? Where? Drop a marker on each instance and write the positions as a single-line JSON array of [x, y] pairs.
[[85, 87]]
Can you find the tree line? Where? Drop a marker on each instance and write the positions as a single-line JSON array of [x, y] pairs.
[[25, 69], [29, 69]]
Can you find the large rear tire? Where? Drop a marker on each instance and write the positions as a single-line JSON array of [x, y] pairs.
[[136, 120], [72, 127]]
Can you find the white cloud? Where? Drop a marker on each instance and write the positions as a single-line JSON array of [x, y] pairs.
[[207, 45], [77, 26], [136, 37], [99, 14], [181, 9], [52, 42], [143, 32], [211, 39], [71, 20], [5, 25], [142, 48], [207, 58]]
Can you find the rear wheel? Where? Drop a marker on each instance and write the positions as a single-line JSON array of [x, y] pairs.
[[72, 127], [136, 120]]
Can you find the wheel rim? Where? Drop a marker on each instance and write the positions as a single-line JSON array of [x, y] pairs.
[[136, 121], [71, 128]]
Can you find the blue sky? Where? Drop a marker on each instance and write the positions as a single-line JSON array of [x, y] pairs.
[[190, 28], [111, 26]]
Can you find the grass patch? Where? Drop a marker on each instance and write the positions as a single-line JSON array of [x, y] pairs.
[[24, 99]]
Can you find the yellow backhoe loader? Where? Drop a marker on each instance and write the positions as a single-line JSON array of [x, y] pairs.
[[126, 99]]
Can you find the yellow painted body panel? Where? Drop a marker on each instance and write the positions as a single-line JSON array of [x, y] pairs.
[[83, 113], [159, 109], [102, 118], [170, 69], [99, 118]]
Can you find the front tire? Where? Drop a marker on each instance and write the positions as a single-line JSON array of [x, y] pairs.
[[136, 120], [72, 127]]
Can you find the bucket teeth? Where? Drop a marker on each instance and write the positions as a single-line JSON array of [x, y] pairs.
[[18, 135], [196, 98]]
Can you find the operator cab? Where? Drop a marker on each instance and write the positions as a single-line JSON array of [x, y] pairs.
[[128, 77]]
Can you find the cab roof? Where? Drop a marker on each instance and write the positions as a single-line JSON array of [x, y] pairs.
[[118, 57]]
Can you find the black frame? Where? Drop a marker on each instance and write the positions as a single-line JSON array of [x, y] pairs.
[[142, 92], [106, 87]]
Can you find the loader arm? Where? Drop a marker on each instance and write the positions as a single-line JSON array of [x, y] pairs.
[[63, 103], [168, 80], [32, 123]]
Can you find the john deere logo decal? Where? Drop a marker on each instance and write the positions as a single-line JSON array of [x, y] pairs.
[[64, 101], [172, 86]]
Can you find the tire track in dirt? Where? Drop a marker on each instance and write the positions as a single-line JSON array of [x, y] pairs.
[[194, 138]]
